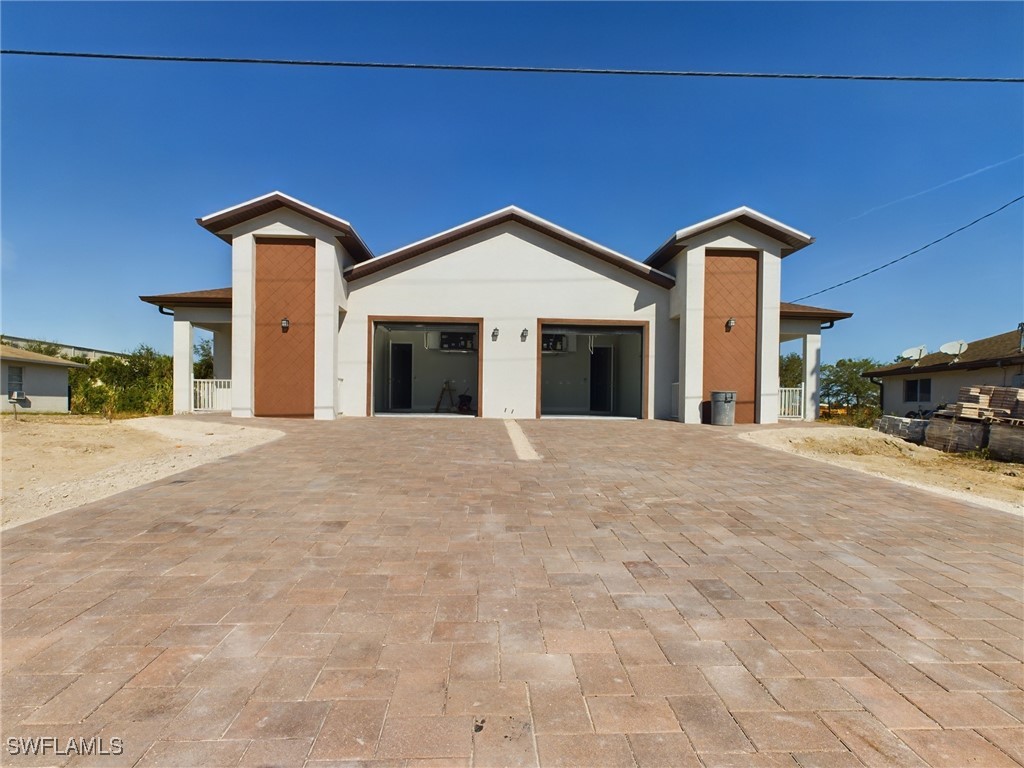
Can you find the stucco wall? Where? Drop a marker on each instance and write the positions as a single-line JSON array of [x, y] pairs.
[[510, 276], [945, 386], [430, 369], [45, 386], [330, 300], [688, 302]]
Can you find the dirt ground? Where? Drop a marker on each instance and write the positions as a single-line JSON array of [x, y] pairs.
[[53, 463], [993, 483]]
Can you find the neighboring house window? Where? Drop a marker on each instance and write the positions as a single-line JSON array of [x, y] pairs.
[[917, 390], [15, 379]]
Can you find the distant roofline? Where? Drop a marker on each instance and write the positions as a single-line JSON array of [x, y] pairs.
[[8, 352]]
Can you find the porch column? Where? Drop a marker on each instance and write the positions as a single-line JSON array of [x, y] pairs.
[[812, 377], [222, 354], [182, 382]]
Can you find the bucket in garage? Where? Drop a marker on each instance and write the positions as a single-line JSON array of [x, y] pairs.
[[723, 409]]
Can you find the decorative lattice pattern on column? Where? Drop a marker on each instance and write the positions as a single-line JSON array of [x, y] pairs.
[[730, 356], [283, 368]]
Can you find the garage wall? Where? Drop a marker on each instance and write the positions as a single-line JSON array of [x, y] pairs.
[[628, 368], [565, 378], [510, 275], [430, 369]]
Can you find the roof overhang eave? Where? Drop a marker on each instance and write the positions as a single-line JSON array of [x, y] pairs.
[[963, 365], [219, 222]]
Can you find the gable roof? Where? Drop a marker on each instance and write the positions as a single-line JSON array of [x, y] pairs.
[[792, 239], [250, 209], [214, 297], [15, 354], [792, 311], [519, 216], [1002, 349]]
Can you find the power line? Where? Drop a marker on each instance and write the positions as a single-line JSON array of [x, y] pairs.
[[918, 250], [489, 68]]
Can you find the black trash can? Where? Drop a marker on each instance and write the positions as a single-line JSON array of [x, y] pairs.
[[723, 409]]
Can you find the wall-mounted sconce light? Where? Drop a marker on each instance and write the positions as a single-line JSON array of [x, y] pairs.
[[285, 325], [730, 324], [524, 334], [494, 335]]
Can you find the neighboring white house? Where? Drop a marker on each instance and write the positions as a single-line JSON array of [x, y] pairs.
[[35, 382], [935, 379], [505, 316]]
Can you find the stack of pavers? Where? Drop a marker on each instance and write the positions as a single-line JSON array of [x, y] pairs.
[[1006, 434], [984, 402], [983, 416]]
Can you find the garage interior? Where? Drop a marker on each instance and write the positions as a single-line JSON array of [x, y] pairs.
[[426, 368], [591, 370]]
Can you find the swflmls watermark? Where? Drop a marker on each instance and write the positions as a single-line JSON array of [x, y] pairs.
[[74, 745]]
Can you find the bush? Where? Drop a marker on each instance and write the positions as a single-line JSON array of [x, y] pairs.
[[140, 383], [855, 416]]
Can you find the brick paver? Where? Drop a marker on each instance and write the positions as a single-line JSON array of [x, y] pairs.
[[406, 592]]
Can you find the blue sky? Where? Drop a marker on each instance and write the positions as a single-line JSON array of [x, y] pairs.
[[106, 164]]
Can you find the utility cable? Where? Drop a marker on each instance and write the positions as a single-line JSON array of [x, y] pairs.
[[918, 250], [488, 68]]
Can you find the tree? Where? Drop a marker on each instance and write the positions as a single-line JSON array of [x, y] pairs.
[[202, 367], [791, 370], [842, 384]]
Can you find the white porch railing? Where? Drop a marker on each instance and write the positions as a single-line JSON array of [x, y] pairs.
[[211, 394], [791, 402]]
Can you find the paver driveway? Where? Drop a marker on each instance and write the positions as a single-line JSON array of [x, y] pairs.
[[405, 592]]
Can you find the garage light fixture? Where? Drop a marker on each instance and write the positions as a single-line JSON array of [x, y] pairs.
[[524, 334], [730, 324], [285, 325], [494, 335]]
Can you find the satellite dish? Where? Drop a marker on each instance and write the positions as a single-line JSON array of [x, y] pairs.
[[914, 353], [954, 348]]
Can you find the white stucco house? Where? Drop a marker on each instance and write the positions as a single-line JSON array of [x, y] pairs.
[[35, 382], [505, 316], [936, 378]]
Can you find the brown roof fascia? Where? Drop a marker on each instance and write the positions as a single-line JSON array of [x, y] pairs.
[[216, 297], [673, 247], [376, 265], [805, 312], [217, 224]]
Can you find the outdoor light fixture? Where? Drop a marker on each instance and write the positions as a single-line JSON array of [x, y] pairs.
[[285, 325], [524, 334], [494, 335], [730, 324]]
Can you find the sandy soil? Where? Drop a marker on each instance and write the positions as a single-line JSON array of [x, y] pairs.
[[995, 484], [53, 463]]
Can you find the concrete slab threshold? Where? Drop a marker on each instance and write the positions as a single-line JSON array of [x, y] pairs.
[[521, 443]]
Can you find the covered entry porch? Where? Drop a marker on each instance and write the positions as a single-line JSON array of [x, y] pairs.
[[804, 324], [208, 311]]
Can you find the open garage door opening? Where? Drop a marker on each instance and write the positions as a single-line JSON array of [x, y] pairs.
[[592, 370], [428, 367]]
